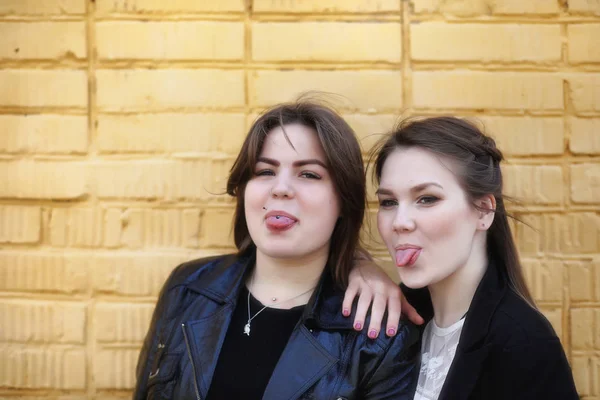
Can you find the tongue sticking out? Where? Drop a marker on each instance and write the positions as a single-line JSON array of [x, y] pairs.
[[407, 257], [280, 222]]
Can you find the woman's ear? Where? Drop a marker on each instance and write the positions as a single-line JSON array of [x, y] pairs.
[[487, 209]]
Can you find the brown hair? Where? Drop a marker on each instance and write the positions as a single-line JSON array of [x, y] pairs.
[[345, 164], [480, 174]]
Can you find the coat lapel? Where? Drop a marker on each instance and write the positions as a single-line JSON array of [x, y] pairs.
[[303, 362], [205, 338], [463, 374]]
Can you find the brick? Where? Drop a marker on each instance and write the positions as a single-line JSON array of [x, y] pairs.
[[43, 134], [575, 233], [146, 179], [364, 90], [38, 88], [42, 368], [584, 280], [440, 41], [133, 274], [42, 40], [582, 372], [584, 6], [216, 229], [326, 6], [191, 227], [483, 90], [554, 316], [327, 41], [43, 180], [527, 234], [75, 227], [120, 90], [585, 324], [544, 279], [154, 228], [584, 136], [122, 323], [370, 234], [113, 227], [42, 322], [171, 133], [161, 179], [585, 92], [525, 136], [582, 45], [180, 40], [48, 7], [370, 129], [206, 180], [534, 184], [525, 7], [470, 8], [585, 183], [31, 271], [104, 7], [115, 369], [20, 224]]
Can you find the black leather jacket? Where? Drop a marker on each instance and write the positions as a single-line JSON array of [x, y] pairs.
[[323, 359]]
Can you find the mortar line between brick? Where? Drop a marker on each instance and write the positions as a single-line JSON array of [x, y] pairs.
[[91, 55], [406, 68], [247, 58]]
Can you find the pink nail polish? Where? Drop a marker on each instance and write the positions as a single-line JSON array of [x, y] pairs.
[[358, 326], [346, 312], [391, 332], [373, 334]]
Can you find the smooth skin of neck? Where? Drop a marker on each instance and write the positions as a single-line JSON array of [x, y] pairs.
[[286, 278], [452, 296]]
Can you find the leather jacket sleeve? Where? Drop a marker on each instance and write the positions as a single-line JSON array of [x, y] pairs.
[[150, 346], [397, 374]]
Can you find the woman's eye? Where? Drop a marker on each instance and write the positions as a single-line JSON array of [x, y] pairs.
[[264, 172], [427, 200], [310, 175], [387, 203]]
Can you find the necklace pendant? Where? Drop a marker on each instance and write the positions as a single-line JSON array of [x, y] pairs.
[[247, 329]]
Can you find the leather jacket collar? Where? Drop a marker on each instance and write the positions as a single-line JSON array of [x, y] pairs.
[[224, 282]]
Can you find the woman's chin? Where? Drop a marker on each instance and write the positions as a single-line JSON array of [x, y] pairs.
[[412, 281]]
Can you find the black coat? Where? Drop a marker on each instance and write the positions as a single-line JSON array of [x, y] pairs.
[[323, 359], [507, 349]]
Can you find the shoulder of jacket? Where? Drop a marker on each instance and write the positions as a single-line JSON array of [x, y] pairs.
[[515, 323], [407, 336], [189, 270]]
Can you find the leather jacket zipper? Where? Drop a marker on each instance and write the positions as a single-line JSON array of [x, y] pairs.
[[187, 345]]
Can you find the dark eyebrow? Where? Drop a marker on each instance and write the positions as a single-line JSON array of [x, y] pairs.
[[418, 188], [299, 163], [383, 191]]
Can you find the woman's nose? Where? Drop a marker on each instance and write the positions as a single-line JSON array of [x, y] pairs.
[[282, 187], [403, 221]]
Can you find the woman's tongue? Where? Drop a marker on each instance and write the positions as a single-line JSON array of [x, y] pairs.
[[280, 221], [406, 257]]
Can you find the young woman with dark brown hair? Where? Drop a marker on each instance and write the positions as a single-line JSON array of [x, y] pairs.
[[264, 323], [443, 219]]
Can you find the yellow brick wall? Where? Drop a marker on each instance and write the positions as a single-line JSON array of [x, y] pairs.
[[119, 120]]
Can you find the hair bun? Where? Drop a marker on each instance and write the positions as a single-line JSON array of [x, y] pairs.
[[489, 146]]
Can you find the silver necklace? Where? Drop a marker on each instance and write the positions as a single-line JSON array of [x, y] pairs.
[[250, 318]]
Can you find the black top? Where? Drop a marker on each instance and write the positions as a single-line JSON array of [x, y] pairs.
[[246, 363], [507, 349]]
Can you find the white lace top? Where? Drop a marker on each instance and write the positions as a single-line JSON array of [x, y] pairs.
[[438, 349]]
